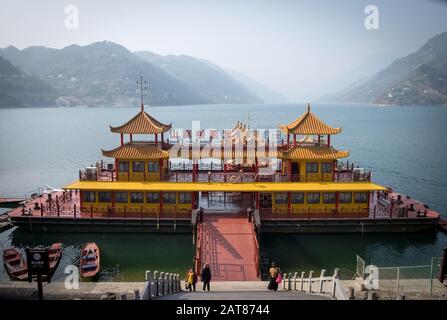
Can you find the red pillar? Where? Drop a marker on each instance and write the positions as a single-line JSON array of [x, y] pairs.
[[160, 165], [294, 139], [337, 197], [288, 140], [161, 201], [369, 197], [156, 139], [319, 139], [289, 202], [116, 169], [290, 170], [131, 138], [113, 201], [162, 138], [333, 169], [122, 139], [329, 140]]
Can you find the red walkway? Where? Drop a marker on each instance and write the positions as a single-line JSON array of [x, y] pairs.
[[228, 246]]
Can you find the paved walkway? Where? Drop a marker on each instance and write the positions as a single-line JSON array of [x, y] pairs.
[[228, 246], [238, 295]]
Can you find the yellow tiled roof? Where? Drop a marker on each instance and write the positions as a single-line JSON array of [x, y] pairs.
[[314, 153], [308, 123], [136, 151], [142, 123]]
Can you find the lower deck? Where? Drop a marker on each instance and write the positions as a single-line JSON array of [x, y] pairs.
[[385, 211]]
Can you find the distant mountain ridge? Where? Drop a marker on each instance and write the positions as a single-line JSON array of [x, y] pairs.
[[15, 83], [418, 79], [105, 74], [209, 80]]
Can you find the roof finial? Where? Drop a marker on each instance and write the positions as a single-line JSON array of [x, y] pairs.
[[308, 107], [141, 90]]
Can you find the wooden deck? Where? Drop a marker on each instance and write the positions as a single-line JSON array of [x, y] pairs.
[[229, 248]]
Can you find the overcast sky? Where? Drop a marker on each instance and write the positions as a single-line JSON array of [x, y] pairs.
[[299, 48]]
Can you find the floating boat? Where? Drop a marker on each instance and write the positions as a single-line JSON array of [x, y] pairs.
[[89, 260], [11, 202], [54, 255], [15, 264], [17, 267]]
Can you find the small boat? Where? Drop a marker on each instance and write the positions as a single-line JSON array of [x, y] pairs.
[[17, 267], [89, 260], [11, 202], [15, 264], [54, 255]]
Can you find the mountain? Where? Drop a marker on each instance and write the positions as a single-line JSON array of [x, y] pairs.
[[266, 94], [418, 79], [19, 90], [100, 73], [206, 78]]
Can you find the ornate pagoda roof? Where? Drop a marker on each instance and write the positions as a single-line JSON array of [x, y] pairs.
[[142, 123], [136, 150], [314, 153], [308, 124]]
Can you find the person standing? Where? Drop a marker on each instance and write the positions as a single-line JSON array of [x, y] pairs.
[[274, 277], [206, 277], [191, 280]]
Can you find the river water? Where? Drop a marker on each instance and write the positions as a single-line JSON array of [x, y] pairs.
[[405, 147]]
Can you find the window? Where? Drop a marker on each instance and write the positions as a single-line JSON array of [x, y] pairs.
[[123, 166], [361, 197], [121, 197], [313, 198], [312, 167], [169, 197], [328, 197], [326, 167], [104, 196], [136, 197], [137, 166], [281, 198], [152, 197], [152, 166], [88, 196], [345, 197], [184, 197], [298, 198]]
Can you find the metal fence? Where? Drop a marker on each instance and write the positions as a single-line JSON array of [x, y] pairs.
[[409, 282]]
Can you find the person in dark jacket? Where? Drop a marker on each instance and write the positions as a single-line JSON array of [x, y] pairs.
[[274, 273], [206, 277]]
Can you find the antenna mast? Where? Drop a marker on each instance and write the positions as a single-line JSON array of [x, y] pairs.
[[141, 82]]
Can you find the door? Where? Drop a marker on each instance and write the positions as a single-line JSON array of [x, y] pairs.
[[295, 172]]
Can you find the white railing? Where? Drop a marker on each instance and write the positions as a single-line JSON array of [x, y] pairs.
[[325, 285], [159, 284]]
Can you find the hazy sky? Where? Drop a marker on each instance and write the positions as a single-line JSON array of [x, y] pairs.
[[299, 48]]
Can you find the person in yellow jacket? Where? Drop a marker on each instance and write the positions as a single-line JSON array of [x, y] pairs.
[[191, 280]]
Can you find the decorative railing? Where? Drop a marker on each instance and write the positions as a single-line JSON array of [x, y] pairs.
[[159, 284], [325, 285]]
